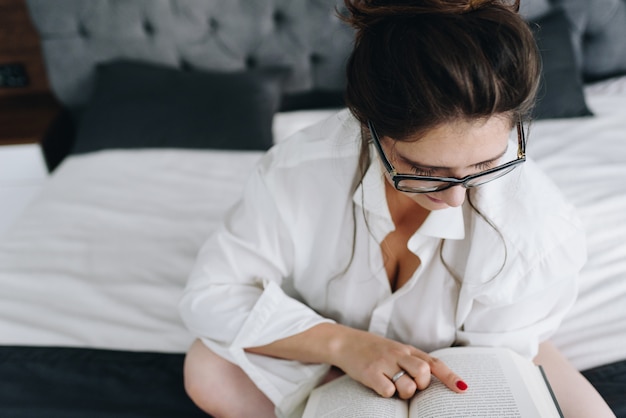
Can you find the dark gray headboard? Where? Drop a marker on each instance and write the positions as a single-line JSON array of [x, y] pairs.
[[237, 34], [227, 35]]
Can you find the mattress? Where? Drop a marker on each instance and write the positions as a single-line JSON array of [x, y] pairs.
[[100, 258]]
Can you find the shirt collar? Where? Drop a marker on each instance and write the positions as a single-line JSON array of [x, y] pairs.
[[370, 194], [445, 223]]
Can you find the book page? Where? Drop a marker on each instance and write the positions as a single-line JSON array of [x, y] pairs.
[[496, 389], [347, 398]]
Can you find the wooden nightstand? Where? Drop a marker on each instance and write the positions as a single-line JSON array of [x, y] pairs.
[[24, 122]]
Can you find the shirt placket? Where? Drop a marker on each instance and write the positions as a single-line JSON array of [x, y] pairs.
[[422, 246]]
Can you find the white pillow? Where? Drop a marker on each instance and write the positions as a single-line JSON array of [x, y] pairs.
[[286, 124]]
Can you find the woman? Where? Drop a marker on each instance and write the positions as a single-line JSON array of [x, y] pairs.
[[365, 242]]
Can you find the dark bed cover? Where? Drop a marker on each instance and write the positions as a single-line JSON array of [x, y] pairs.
[[62, 382], [65, 382]]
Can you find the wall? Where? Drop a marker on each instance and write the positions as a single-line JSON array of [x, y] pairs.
[[19, 43]]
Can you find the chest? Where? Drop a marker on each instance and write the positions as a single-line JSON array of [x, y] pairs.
[[389, 290], [400, 263]]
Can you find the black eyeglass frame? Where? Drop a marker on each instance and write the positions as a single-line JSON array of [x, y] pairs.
[[449, 181]]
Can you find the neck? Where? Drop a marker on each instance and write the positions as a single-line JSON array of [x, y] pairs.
[[405, 212]]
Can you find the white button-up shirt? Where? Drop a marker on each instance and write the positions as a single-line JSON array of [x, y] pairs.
[[302, 247]]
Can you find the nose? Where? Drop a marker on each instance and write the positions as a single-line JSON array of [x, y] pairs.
[[453, 197]]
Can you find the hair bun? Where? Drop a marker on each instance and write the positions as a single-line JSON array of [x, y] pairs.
[[365, 13]]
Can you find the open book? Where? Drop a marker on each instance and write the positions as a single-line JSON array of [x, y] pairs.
[[501, 383]]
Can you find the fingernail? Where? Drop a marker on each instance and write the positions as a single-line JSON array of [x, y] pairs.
[[461, 385]]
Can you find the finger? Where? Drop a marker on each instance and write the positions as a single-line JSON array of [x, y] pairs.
[[406, 387], [442, 372], [419, 369], [383, 386]]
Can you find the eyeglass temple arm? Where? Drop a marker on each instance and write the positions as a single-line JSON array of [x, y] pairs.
[[379, 148], [521, 140]]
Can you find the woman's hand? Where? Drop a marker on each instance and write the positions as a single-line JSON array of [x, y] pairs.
[[374, 360], [368, 358]]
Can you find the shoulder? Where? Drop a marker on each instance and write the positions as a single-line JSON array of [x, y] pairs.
[[337, 137], [542, 232], [523, 241], [321, 158], [529, 207], [317, 164]]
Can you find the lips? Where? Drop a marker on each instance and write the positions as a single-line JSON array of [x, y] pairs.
[[432, 199]]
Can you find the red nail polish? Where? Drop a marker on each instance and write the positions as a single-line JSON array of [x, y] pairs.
[[461, 385]]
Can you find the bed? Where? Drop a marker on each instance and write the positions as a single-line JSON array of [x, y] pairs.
[[171, 103]]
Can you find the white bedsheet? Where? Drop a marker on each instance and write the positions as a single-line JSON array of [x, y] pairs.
[[587, 159], [100, 259]]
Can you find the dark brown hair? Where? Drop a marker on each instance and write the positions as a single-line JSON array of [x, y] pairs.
[[419, 63]]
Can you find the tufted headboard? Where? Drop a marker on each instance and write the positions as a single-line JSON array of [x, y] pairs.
[[305, 35], [228, 35]]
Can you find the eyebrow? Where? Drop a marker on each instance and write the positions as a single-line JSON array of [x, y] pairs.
[[434, 167]]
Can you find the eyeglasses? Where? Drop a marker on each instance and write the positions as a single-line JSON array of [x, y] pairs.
[[427, 184]]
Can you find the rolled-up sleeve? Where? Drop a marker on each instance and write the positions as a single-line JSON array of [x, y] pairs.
[[234, 300]]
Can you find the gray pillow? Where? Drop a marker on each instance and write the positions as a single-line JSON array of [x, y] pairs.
[[599, 34], [561, 92], [142, 105]]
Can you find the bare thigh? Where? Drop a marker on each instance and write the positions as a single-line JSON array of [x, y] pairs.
[[576, 396], [220, 387]]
